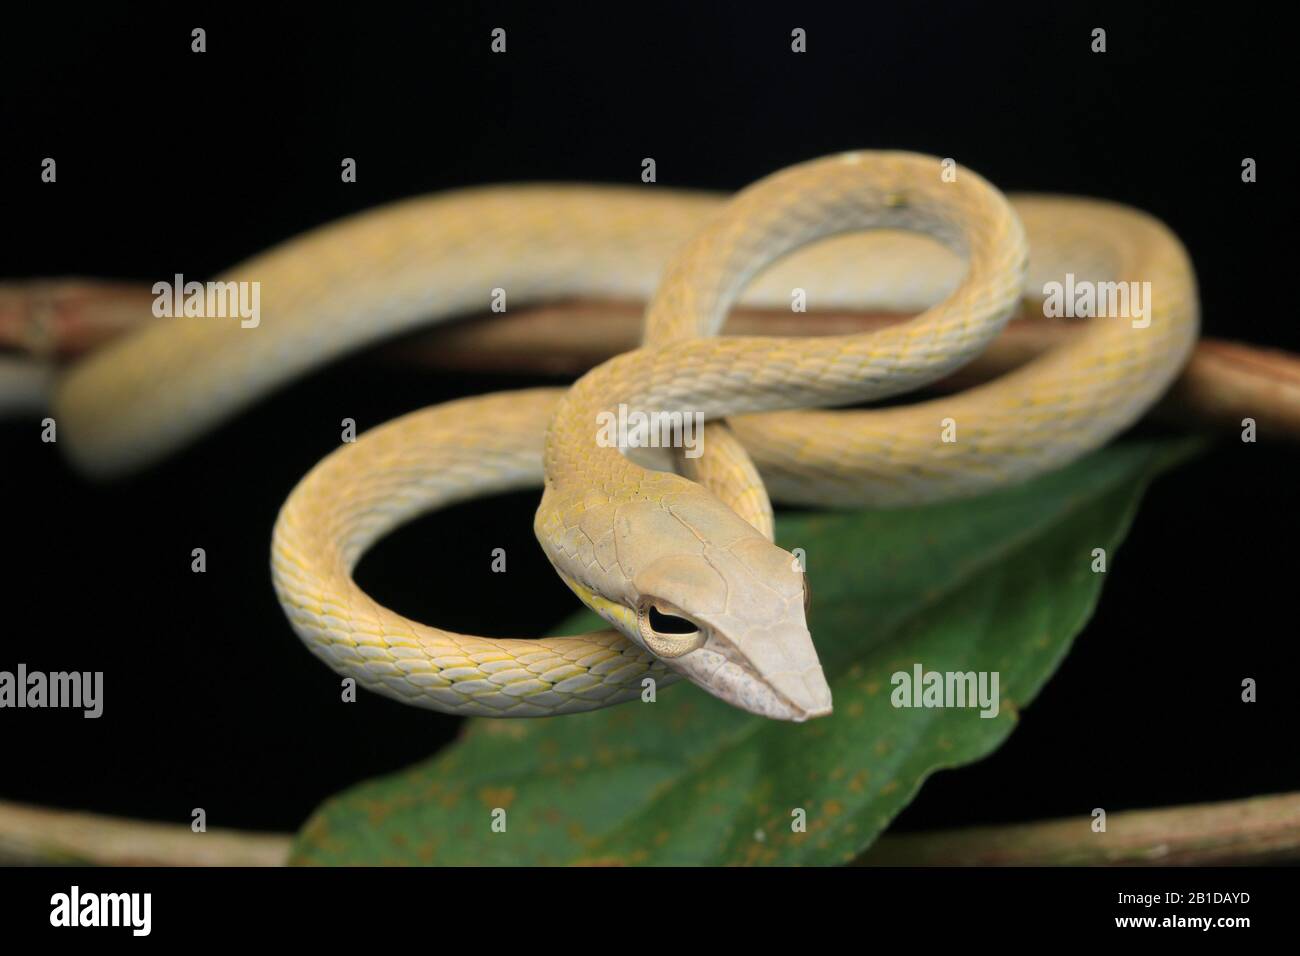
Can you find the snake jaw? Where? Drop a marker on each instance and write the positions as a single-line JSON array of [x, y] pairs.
[[719, 668]]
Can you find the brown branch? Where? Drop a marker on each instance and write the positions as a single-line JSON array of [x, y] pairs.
[[1223, 383], [1254, 831], [61, 318]]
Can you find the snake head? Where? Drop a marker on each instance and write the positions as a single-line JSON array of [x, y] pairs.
[[726, 610]]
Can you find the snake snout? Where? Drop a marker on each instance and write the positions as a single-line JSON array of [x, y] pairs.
[[807, 692], [785, 662]]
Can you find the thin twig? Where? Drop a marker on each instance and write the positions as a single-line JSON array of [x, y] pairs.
[[38, 836], [1255, 831]]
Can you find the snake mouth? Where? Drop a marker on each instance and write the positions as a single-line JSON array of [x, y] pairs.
[[790, 695]]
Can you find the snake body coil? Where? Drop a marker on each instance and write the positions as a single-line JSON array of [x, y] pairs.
[[681, 564]]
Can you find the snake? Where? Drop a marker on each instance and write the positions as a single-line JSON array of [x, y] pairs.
[[674, 551]]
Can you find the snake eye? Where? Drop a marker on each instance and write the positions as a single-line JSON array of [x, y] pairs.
[[668, 635], [663, 623]]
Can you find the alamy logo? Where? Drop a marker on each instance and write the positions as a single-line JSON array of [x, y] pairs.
[[78, 690], [1083, 299], [637, 429], [921, 688], [75, 908], [212, 300]]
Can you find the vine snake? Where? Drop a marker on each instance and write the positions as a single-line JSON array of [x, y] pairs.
[[675, 553]]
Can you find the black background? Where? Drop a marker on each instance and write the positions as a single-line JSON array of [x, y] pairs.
[[170, 162]]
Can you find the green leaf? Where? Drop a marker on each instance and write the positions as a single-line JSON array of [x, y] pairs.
[[1000, 583]]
